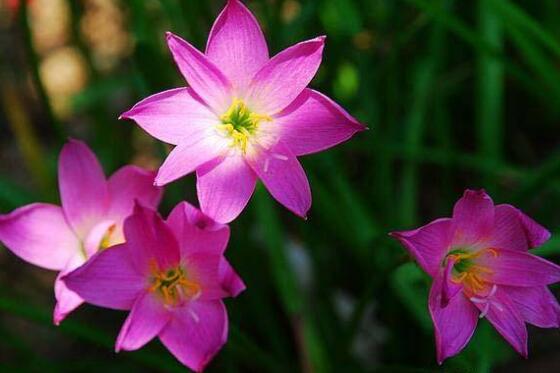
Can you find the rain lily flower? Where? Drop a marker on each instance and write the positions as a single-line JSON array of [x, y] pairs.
[[244, 117], [90, 219], [172, 276], [481, 268]]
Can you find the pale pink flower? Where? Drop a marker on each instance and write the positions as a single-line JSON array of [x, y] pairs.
[[90, 219], [172, 277], [244, 117]]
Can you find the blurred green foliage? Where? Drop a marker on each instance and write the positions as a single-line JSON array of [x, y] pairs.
[[456, 94]]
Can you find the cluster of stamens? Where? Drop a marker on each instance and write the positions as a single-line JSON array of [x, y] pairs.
[[173, 285], [467, 272], [239, 123]]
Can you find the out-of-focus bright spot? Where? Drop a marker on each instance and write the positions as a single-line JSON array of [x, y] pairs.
[[64, 73], [370, 334], [290, 10], [13, 5], [104, 30], [363, 40], [300, 261], [50, 24], [347, 82]]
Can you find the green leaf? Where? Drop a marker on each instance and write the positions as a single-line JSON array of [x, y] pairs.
[[411, 285]]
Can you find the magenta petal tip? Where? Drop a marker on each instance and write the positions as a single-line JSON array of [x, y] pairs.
[[57, 320]]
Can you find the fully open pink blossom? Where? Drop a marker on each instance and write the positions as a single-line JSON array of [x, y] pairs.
[[244, 116], [90, 219], [481, 267], [172, 276]]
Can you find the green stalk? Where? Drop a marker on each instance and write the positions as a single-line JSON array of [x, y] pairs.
[[415, 123], [490, 87], [312, 351], [89, 334]]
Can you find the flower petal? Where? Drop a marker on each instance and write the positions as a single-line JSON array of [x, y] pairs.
[[536, 233], [230, 280], [39, 234], [190, 155], [224, 187], [508, 230], [150, 240], [196, 232], [96, 236], [144, 322], [536, 305], [83, 189], [283, 176], [514, 230], [313, 122], [203, 76], [196, 333], [285, 76], [503, 315], [204, 269], [108, 279], [186, 214], [199, 234], [428, 244], [130, 184], [473, 218], [66, 300], [172, 116], [516, 268], [449, 287], [237, 45], [454, 324]]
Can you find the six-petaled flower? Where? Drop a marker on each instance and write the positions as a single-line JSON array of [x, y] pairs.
[[244, 116], [481, 267], [172, 275]]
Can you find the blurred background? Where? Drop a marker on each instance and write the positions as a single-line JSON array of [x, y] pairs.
[[456, 94]]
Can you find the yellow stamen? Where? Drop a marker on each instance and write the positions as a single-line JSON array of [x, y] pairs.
[[240, 124], [106, 241], [471, 275], [172, 284]]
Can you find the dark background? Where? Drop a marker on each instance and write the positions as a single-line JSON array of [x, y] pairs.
[[456, 94]]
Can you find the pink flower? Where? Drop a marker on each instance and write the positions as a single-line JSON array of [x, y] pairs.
[[244, 116], [481, 267], [90, 219], [172, 276]]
